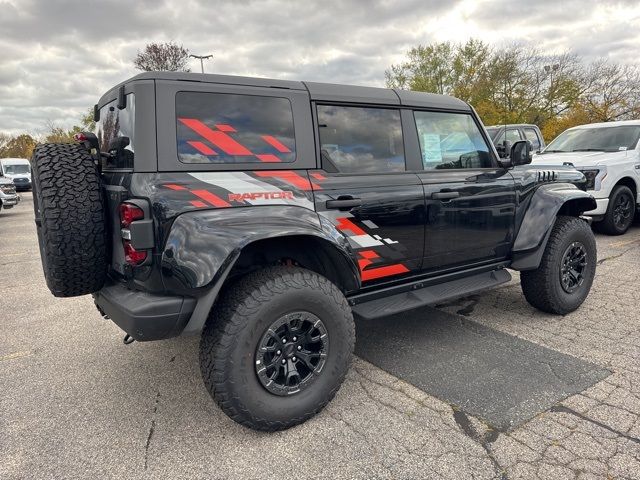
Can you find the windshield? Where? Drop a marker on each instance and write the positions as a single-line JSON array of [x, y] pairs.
[[602, 139], [492, 131], [16, 169]]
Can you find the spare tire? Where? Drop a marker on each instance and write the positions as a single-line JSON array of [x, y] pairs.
[[69, 207]]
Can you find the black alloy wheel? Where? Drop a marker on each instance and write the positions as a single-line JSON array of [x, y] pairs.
[[573, 267], [623, 211], [292, 353]]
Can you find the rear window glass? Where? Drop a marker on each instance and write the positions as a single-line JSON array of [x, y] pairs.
[[360, 140], [117, 125], [230, 128]]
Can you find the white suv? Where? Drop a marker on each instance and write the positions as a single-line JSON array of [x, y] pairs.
[[609, 156]]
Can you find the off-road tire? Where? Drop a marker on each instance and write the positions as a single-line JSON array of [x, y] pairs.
[[238, 321], [608, 224], [69, 211], [542, 287]]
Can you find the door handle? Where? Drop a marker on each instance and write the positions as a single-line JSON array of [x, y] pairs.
[[445, 195], [343, 203]]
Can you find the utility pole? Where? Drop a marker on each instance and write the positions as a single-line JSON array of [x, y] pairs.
[[550, 69], [202, 58]]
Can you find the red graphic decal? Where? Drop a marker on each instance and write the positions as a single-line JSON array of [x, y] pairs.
[[346, 224], [202, 148], [239, 197], [318, 176], [207, 196], [368, 254], [268, 158], [273, 141], [288, 176], [380, 272], [174, 187], [198, 203], [220, 139], [225, 128]]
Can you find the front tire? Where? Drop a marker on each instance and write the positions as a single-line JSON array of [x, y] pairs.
[[277, 347], [620, 212], [565, 275]]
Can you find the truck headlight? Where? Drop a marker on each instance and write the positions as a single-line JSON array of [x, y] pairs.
[[591, 175]]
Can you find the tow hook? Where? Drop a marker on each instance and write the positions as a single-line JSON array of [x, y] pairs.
[[128, 339]]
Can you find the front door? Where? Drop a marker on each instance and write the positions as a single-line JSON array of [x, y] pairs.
[[366, 192], [470, 200]]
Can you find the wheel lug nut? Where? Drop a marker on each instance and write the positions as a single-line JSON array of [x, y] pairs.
[[284, 361], [278, 352], [284, 340], [294, 359], [299, 347], [294, 338]]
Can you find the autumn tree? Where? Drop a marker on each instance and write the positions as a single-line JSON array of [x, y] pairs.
[[168, 56], [20, 146]]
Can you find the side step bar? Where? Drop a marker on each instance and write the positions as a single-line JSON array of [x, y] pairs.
[[430, 295]]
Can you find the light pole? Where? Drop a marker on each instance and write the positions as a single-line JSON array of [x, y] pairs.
[[550, 69], [202, 58]]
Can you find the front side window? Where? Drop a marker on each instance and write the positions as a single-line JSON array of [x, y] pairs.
[[598, 139], [532, 136], [360, 140], [115, 130], [451, 140], [229, 128]]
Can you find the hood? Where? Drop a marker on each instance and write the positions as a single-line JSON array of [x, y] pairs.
[[578, 159], [5, 181]]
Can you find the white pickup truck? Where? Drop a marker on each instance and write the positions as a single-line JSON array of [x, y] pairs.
[[609, 156]]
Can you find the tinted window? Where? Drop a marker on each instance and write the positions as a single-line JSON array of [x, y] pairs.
[[532, 136], [451, 140], [229, 128], [360, 140], [115, 124]]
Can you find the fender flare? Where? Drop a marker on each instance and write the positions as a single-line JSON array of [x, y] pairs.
[[203, 247], [535, 227]]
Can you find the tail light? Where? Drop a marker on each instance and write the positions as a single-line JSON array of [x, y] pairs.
[[130, 213]]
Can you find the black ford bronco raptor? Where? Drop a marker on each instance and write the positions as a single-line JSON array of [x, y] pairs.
[[264, 214]]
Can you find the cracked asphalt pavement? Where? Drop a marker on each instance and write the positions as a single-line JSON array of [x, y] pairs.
[[77, 403]]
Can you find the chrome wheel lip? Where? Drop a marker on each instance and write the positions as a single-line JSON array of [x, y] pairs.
[[573, 266], [291, 353]]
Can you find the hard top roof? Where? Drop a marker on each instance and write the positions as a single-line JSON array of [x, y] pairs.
[[318, 91]]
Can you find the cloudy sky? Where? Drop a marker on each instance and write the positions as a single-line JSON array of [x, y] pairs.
[[58, 56]]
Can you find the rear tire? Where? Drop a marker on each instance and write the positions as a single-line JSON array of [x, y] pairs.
[[70, 217], [563, 280], [248, 321], [620, 212]]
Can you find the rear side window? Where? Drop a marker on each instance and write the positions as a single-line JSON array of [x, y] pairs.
[[116, 129], [532, 136], [451, 140], [360, 140], [231, 128]]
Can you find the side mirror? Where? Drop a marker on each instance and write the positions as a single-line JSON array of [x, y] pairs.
[[521, 153]]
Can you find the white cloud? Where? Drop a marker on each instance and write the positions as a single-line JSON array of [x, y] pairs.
[[59, 56]]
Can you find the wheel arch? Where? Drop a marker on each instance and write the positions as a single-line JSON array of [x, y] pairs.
[[630, 182], [547, 203]]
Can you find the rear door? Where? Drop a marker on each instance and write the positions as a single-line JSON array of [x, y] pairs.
[[365, 190], [470, 200]]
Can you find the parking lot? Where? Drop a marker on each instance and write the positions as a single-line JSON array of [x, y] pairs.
[[484, 387]]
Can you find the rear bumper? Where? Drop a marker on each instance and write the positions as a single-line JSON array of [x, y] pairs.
[[142, 315]]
